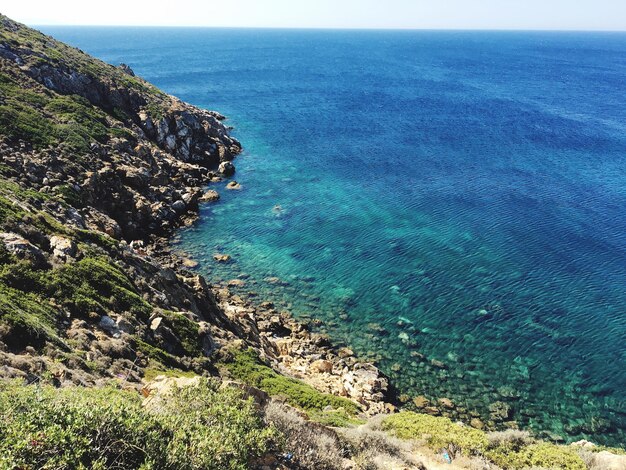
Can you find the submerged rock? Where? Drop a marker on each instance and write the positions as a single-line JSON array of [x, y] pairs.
[[499, 411], [421, 402], [221, 258], [189, 263]]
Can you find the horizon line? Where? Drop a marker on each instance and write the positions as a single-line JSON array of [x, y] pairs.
[[331, 28]]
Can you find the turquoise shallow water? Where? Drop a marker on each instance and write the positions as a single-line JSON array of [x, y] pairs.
[[448, 194]]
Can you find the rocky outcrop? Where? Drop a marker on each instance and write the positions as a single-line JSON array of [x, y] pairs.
[[23, 249], [298, 352]]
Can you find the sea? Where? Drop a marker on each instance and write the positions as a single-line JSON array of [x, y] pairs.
[[450, 204]]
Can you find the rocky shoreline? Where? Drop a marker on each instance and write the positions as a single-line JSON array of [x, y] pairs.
[[289, 345], [99, 168]]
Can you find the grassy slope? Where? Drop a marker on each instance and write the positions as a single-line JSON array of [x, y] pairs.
[[44, 118], [39, 115]]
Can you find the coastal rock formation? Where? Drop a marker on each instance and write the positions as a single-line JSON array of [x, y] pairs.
[[299, 352], [98, 166], [226, 168]]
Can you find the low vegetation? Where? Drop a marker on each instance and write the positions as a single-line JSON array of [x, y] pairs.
[[89, 285], [198, 427], [438, 432], [306, 445], [542, 455], [509, 450], [32, 113]]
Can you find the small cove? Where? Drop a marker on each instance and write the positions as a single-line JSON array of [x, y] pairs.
[[450, 204]]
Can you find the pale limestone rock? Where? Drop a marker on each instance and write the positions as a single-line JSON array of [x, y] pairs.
[[62, 248]]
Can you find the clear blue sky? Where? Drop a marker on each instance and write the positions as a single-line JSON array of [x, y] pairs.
[[447, 14]]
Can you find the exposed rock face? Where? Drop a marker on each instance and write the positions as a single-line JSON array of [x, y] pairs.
[[134, 185], [126, 69], [86, 217], [62, 248]]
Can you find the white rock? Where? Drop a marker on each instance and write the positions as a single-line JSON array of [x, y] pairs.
[[62, 248]]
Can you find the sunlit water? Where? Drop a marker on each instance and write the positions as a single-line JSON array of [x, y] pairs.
[[449, 194]]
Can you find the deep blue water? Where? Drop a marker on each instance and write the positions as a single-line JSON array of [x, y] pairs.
[[457, 194]]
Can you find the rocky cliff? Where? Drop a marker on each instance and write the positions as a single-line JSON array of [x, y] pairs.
[[98, 167]]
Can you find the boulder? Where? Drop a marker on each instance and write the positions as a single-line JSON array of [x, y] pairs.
[[158, 389], [126, 69], [62, 248], [477, 423], [109, 325], [179, 207], [607, 461], [210, 196], [322, 366], [499, 411], [233, 185], [156, 323], [125, 326], [446, 403], [221, 258], [226, 168]]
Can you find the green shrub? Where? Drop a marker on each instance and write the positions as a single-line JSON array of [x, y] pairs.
[[186, 331], [78, 122], [156, 354], [91, 284], [335, 418], [94, 284], [5, 256], [69, 195], [88, 285], [543, 455], [213, 428], [155, 368], [438, 432], [246, 366], [9, 212], [29, 319], [77, 428], [19, 121], [98, 238], [198, 427]]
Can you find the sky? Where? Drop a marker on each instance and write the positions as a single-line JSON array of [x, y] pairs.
[[388, 14]]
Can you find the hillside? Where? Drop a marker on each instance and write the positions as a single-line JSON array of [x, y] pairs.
[[98, 168]]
